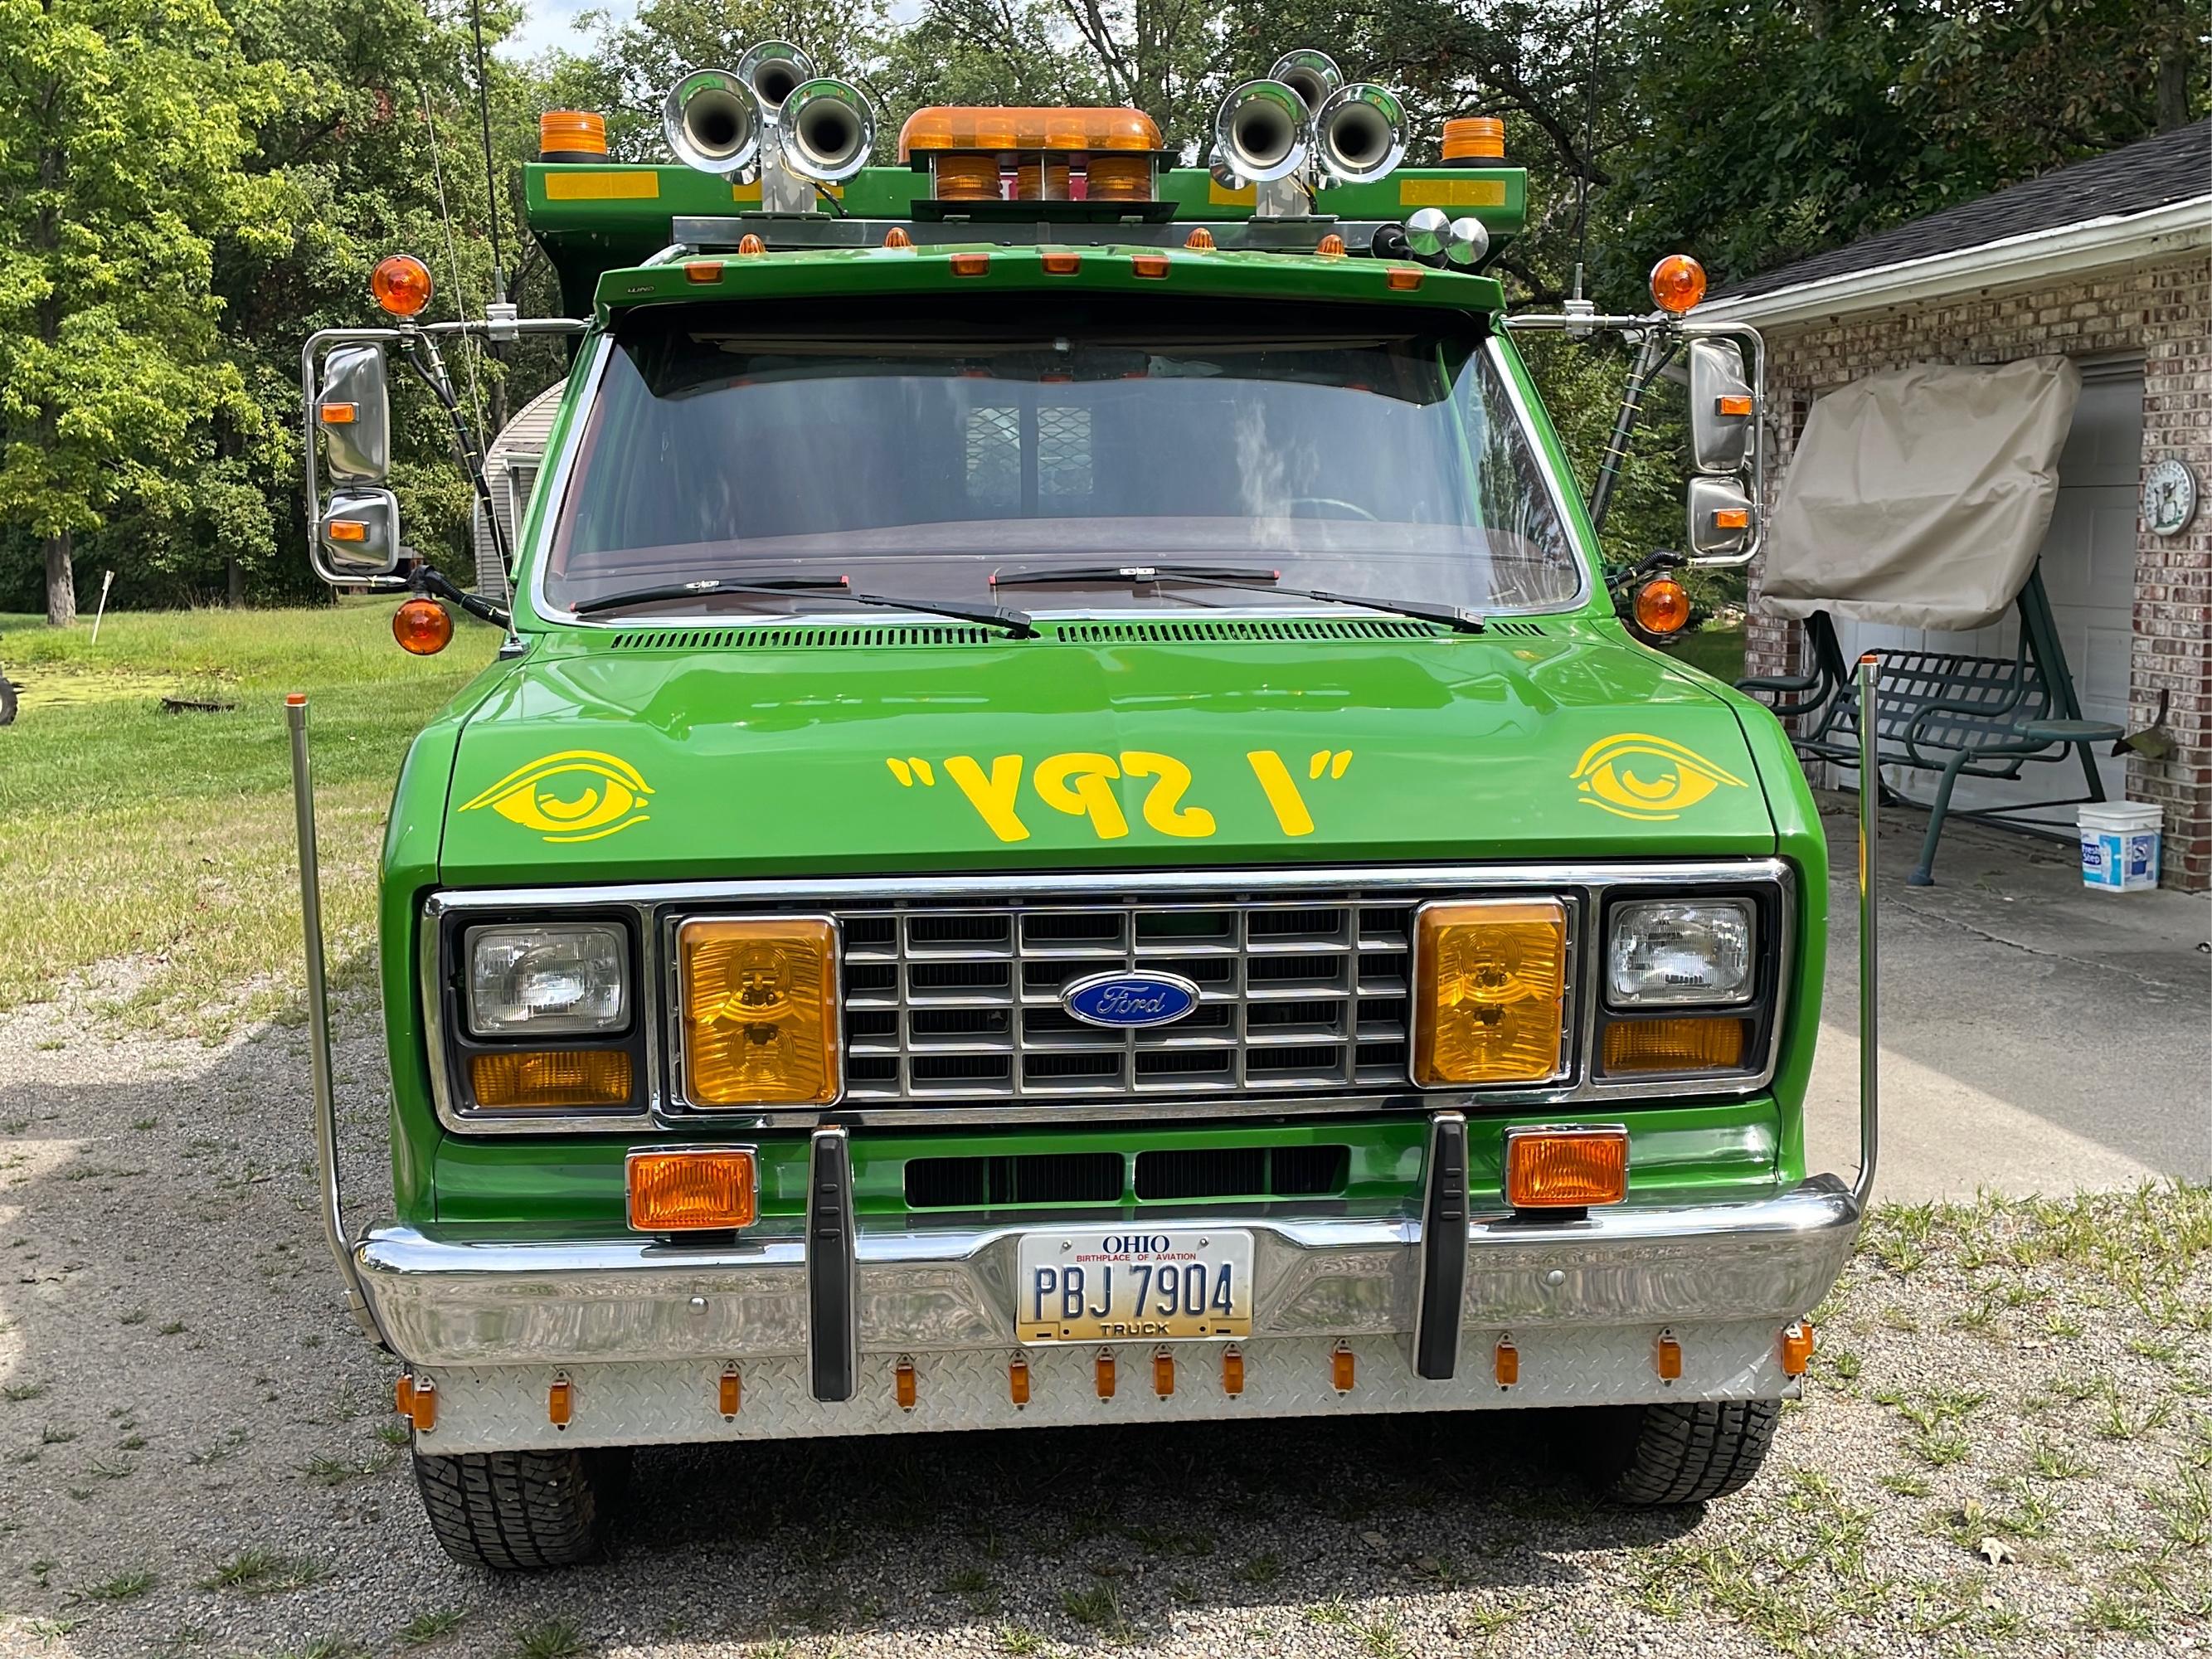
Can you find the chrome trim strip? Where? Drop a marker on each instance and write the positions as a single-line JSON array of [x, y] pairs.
[[1587, 557], [649, 900], [593, 374], [447, 1301]]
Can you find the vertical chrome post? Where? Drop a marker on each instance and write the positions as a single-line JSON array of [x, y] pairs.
[[1869, 931], [318, 1021]]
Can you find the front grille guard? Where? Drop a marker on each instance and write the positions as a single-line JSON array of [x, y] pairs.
[[1446, 1205]]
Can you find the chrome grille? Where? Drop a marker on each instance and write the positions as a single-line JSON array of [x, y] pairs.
[[963, 1003]]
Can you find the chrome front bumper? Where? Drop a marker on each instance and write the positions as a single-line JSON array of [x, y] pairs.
[[444, 1303]]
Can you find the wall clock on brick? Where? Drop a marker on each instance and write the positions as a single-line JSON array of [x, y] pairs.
[[2169, 496]]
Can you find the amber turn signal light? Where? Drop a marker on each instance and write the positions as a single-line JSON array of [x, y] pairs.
[[1663, 606], [422, 626], [1490, 982], [971, 264], [1703, 1044], [760, 1010], [1678, 282], [401, 284], [1569, 1168], [1796, 1348], [693, 1190], [558, 1077]]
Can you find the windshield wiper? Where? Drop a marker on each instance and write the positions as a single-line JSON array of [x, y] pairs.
[[671, 591], [1255, 581], [1016, 623]]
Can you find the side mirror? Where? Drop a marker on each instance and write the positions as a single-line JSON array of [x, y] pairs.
[[1721, 406], [353, 410], [1721, 518], [357, 538]]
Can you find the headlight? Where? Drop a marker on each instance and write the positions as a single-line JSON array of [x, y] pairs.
[[1490, 987], [548, 979], [1670, 951]]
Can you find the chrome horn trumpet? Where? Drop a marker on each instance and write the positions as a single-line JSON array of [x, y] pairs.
[[1359, 133], [714, 122], [1262, 132], [1312, 75], [774, 70], [826, 131]]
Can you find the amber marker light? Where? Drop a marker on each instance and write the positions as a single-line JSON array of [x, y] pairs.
[[1490, 985], [1103, 1372], [1342, 1369], [1200, 240], [1332, 246], [1731, 518], [423, 627], [1732, 403], [971, 264], [1164, 1373], [693, 1190], [759, 1010], [336, 414], [730, 1391], [1667, 1357], [1233, 1371], [1059, 262], [750, 246], [560, 1403], [401, 284], [1571, 1167], [897, 237], [703, 270], [1403, 279], [351, 529], [1506, 1363], [423, 1406], [1707, 1043], [1149, 264], [1017, 1380], [904, 1383], [1678, 282], [1663, 606], [1796, 1348], [402, 1395]]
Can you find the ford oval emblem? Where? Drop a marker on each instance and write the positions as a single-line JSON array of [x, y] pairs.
[[1141, 997]]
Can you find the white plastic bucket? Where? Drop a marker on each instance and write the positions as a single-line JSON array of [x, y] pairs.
[[2119, 846]]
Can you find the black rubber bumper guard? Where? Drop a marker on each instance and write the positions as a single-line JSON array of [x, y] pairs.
[[833, 1314]]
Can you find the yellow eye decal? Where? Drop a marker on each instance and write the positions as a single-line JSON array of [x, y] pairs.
[[578, 794], [1636, 775]]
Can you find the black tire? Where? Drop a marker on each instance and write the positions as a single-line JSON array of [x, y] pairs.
[[519, 1511], [1686, 1453]]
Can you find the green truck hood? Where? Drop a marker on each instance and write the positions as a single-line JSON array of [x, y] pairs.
[[1097, 745]]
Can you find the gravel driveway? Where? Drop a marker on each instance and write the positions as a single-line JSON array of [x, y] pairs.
[[2007, 1448]]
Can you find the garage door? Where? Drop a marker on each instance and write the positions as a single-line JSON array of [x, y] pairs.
[[2088, 563]]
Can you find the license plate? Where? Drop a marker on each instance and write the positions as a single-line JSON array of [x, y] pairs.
[[1130, 1287]]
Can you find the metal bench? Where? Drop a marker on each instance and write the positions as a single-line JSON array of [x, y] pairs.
[[1948, 712]]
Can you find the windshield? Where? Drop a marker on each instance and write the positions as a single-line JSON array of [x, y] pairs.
[[926, 453]]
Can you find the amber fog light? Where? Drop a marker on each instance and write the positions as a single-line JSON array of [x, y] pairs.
[[1566, 1168], [692, 1189], [566, 1077], [760, 1010], [1490, 987]]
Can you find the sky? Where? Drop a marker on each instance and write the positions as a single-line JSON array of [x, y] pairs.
[[553, 22]]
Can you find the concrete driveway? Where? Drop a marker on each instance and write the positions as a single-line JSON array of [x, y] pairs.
[[2037, 1036]]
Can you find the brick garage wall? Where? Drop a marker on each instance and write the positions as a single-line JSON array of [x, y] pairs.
[[2163, 310]]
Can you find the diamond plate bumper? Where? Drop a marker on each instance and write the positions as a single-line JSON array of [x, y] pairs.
[[453, 1303], [659, 1402]]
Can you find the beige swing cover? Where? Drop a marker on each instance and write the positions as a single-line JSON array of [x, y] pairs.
[[1918, 496]]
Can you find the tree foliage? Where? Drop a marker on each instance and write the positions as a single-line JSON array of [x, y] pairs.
[[188, 189]]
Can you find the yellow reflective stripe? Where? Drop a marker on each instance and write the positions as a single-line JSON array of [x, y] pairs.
[[630, 184], [1451, 192]]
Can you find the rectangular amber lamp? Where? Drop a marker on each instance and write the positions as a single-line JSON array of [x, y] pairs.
[[693, 1189], [1489, 990], [759, 1010], [523, 1077]]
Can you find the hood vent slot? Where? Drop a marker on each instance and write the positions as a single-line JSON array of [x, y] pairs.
[[1246, 629], [1518, 629], [801, 639]]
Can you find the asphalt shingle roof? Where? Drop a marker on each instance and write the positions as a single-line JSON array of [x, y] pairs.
[[2153, 174]]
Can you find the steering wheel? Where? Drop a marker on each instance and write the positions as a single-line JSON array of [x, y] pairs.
[[1335, 501]]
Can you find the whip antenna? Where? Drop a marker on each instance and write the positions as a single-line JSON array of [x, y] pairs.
[[491, 175]]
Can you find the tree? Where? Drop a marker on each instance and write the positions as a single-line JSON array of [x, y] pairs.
[[125, 127]]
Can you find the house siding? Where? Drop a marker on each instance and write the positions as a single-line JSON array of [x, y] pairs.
[[2162, 310]]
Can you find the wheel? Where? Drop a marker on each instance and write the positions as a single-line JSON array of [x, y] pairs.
[[515, 1511], [1647, 1455]]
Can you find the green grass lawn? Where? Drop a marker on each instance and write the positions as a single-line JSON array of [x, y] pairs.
[[1716, 651], [129, 831]]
